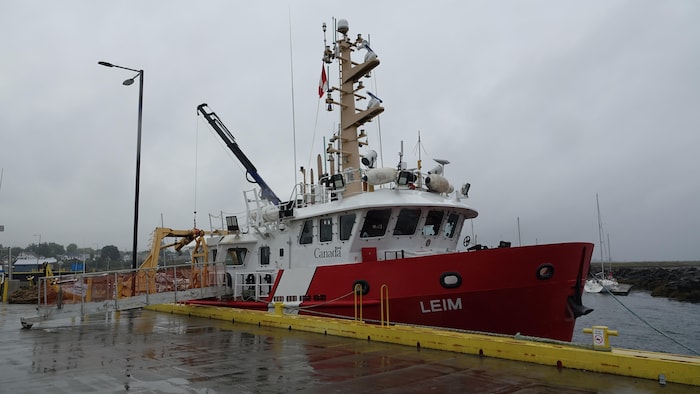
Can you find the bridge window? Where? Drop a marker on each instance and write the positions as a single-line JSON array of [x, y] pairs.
[[307, 232], [236, 256], [325, 229], [451, 226], [375, 223], [432, 223], [264, 255], [407, 221], [346, 222]]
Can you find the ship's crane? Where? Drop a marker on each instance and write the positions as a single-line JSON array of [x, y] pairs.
[[227, 137]]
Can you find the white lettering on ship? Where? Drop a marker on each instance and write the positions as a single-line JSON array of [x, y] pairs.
[[441, 305], [329, 253]]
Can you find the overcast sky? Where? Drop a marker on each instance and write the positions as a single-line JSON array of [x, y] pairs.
[[538, 104]]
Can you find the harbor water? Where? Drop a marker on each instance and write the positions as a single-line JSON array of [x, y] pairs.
[[644, 322], [142, 351]]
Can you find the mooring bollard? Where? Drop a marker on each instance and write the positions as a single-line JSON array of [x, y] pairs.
[[601, 335], [279, 308]]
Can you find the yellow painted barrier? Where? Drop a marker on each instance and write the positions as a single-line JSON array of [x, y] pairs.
[[635, 363]]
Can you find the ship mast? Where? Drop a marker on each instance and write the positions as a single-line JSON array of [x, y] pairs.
[[351, 118]]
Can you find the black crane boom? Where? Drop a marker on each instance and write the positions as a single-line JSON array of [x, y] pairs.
[[227, 137]]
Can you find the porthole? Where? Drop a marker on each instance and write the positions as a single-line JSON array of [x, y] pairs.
[[545, 271], [363, 283], [450, 280]]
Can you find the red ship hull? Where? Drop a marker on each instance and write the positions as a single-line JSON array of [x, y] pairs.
[[531, 290]]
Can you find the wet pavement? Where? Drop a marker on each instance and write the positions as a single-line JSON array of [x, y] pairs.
[[149, 352]]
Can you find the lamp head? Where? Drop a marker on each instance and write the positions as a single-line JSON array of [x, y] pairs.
[[465, 189], [131, 80], [106, 64], [370, 159], [374, 101]]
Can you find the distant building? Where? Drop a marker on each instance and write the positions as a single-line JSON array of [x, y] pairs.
[[29, 263]]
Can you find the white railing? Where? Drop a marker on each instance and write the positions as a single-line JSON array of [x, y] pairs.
[[95, 292], [252, 286]]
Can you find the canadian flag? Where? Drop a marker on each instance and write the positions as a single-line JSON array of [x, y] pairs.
[[323, 82]]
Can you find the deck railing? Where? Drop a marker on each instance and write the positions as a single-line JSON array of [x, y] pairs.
[[56, 291], [253, 286]]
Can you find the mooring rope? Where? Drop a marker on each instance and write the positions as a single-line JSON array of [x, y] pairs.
[[650, 325]]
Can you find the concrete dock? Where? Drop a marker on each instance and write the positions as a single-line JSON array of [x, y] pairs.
[[151, 352]]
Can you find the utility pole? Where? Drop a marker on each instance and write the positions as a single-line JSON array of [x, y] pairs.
[[2, 171]]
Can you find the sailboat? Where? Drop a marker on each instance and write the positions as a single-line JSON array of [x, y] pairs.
[[385, 240], [601, 281]]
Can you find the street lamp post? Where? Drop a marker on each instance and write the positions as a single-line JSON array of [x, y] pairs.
[[37, 250], [139, 73], [94, 259]]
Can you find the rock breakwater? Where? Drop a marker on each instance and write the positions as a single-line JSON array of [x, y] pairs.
[[680, 283]]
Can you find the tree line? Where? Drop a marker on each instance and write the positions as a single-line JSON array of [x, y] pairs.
[[107, 257]]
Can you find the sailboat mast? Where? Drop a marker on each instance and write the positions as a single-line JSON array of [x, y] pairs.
[[600, 235]]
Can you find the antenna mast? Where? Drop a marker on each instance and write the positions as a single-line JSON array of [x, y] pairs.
[[291, 76], [419, 146], [351, 118]]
